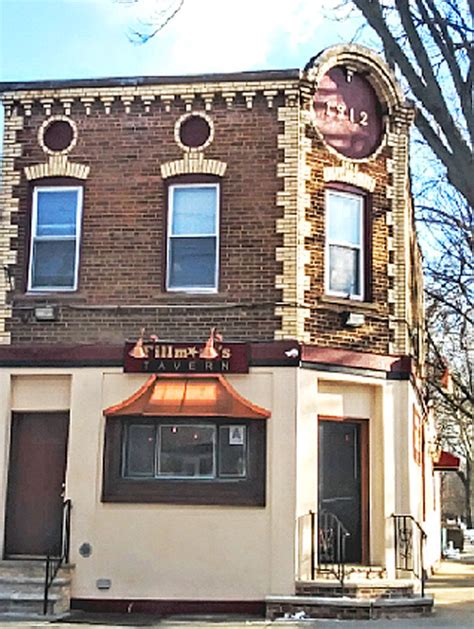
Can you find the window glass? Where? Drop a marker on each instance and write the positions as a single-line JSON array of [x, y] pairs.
[[192, 256], [344, 218], [187, 451], [344, 250], [344, 270], [232, 451], [56, 213], [192, 262], [55, 238], [194, 211], [140, 455], [53, 263]]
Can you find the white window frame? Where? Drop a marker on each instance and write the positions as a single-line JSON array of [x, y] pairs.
[[34, 238], [216, 235], [361, 199]]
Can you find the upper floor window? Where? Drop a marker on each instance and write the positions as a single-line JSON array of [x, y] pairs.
[[192, 248], [55, 235], [344, 244]]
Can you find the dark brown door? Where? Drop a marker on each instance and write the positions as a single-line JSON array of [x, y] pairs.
[[35, 483], [343, 480]]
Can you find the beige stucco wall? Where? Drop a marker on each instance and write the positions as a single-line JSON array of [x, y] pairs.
[[222, 553], [166, 551], [358, 398]]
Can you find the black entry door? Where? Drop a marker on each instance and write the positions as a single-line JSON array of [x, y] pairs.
[[35, 483], [340, 479]]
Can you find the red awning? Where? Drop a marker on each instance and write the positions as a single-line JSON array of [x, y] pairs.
[[446, 462], [187, 396]]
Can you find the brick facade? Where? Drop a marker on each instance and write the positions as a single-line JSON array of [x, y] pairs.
[[122, 255], [273, 167]]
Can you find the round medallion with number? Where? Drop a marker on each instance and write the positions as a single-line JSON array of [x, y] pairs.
[[348, 113]]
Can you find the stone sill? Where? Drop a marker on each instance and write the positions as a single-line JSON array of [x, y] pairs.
[[350, 304]]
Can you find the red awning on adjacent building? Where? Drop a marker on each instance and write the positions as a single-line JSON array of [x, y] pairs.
[[446, 462], [187, 396]]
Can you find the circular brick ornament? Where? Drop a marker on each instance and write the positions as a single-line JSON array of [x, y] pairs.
[[194, 131], [57, 135], [348, 113]]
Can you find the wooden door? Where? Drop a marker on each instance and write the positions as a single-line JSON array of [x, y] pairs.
[[343, 483], [36, 483]]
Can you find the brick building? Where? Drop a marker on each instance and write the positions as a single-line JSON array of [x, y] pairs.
[[273, 206]]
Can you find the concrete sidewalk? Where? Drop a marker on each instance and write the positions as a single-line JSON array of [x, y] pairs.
[[452, 588]]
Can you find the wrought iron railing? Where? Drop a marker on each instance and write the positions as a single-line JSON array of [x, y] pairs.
[[327, 544], [332, 536], [55, 559], [409, 547]]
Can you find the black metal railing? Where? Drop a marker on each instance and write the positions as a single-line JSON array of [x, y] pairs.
[[59, 554], [409, 547], [332, 536], [327, 544]]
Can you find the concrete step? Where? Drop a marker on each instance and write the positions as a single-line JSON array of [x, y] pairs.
[[27, 604], [22, 589], [346, 608], [30, 568], [14, 584]]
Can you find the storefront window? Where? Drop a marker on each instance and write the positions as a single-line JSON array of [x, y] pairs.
[[185, 461]]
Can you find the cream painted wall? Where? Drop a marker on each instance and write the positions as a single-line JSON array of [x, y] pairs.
[[31, 391], [307, 468], [182, 552], [169, 552], [361, 398], [50, 392]]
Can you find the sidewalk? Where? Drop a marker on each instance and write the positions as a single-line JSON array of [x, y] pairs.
[[452, 588]]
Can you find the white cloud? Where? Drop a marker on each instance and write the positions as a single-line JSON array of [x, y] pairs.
[[217, 35]]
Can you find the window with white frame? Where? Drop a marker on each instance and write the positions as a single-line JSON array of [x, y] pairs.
[[193, 226], [344, 244], [55, 238]]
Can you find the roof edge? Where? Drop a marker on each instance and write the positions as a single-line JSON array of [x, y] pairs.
[[136, 81]]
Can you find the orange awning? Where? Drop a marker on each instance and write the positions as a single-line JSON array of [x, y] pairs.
[[446, 462], [187, 396]]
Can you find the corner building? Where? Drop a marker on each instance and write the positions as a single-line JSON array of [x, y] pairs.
[[208, 470]]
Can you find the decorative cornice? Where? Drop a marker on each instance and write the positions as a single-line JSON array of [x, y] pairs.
[[193, 163], [127, 96]]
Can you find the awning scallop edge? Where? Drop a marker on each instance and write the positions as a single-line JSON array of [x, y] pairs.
[[191, 395]]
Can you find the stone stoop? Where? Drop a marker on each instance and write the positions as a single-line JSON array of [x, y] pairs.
[[22, 590], [344, 608], [362, 588], [367, 595]]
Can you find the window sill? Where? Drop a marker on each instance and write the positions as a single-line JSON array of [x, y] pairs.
[[347, 302], [50, 297]]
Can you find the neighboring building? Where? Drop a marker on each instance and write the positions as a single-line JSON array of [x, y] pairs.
[[273, 206]]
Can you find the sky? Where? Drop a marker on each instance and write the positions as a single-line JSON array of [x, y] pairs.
[[62, 39]]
